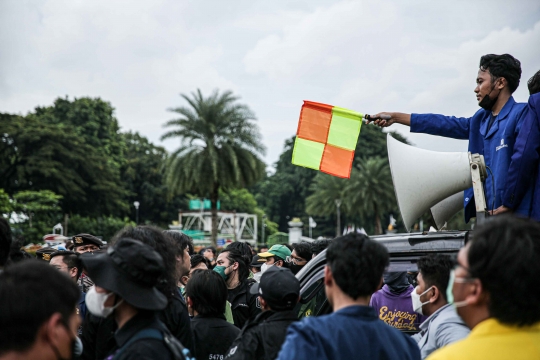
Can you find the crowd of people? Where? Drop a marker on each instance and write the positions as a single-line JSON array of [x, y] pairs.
[[146, 294]]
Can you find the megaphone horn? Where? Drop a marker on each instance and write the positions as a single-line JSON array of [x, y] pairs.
[[444, 210], [423, 178]]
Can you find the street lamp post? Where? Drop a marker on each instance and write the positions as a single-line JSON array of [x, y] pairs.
[[263, 226], [136, 204], [338, 227]]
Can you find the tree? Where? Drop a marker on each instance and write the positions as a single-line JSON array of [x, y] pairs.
[[6, 206], [370, 190], [220, 148], [40, 211], [142, 177]]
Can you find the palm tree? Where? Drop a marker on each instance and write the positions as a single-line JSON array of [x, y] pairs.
[[326, 190], [220, 148], [370, 190]]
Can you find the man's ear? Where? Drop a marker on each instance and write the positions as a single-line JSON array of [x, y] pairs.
[[478, 295], [51, 330], [189, 302], [436, 294], [262, 302], [73, 272], [328, 277]]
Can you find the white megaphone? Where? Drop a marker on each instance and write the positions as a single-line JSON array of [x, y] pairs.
[[444, 210], [424, 178]]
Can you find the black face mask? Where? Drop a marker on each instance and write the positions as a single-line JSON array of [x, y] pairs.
[[487, 103], [295, 268]]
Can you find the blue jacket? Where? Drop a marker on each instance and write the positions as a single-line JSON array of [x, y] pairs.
[[354, 332], [524, 170], [497, 146]]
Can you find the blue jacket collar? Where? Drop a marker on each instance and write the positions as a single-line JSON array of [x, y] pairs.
[[502, 115]]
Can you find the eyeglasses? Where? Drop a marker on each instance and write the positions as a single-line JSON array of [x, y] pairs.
[[295, 260]]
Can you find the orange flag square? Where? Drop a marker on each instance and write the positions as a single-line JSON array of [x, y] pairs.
[[315, 121], [337, 161]]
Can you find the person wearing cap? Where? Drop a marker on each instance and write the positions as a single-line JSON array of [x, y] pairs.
[[278, 293], [70, 263], [353, 272], [276, 255], [83, 243], [231, 265], [126, 277], [255, 268], [44, 254]]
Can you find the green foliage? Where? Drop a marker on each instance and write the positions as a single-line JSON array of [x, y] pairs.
[[40, 210], [142, 177], [72, 148], [106, 226], [220, 148], [326, 189], [5, 203]]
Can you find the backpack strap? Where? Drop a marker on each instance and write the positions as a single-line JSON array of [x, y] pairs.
[[143, 334]]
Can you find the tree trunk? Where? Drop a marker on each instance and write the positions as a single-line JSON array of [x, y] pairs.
[[213, 201], [378, 227]]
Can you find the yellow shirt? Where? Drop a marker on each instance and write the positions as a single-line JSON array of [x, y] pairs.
[[492, 340]]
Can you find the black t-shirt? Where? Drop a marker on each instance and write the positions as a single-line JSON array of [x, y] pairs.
[[212, 337]]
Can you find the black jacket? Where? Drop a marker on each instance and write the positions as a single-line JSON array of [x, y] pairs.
[[98, 333], [262, 338], [212, 337], [176, 317], [144, 349], [244, 305]]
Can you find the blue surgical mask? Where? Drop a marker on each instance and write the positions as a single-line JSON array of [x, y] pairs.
[[450, 294]]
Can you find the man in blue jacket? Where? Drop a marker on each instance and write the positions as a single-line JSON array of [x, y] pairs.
[[355, 265], [524, 169], [491, 131]]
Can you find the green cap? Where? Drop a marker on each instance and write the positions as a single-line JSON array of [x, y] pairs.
[[281, 251]]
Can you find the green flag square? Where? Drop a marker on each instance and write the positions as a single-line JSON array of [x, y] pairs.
[[344, 129], [307, 153]]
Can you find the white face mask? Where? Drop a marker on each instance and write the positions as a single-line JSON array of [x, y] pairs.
[[265, 267], [416, 302], [257, 276], [95, 302]]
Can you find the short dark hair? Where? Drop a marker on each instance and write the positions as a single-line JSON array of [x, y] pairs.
[[197, 259], [357, 264], [182, 241], [5, 241], [534, 83], [318, 246], [235, 256], [505, 66], [71, 258], [505, 256], [23, 313], [208, 291], [303, 249], [435, 270], [244, 249], [162, 243]]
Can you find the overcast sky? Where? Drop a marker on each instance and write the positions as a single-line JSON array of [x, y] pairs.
[[370, 56]]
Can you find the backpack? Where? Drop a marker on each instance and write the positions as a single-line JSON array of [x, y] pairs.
[[178, 351]]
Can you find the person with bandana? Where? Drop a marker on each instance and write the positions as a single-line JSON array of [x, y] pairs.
[[232, 267], [494, 287], [38, 320], [491, 131], [443, 326], [125, 288], [393, 303]]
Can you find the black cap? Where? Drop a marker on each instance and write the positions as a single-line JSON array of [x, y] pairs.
[[44, 254], [255, 262], [85, 239], [278, 287], [130, 269]]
